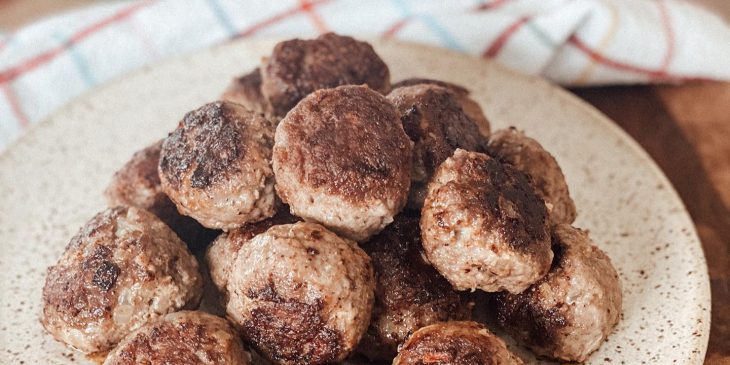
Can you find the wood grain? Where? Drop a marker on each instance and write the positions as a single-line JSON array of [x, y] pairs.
[[686, 130]]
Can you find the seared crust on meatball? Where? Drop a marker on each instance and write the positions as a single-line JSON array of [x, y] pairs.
[[182, 338], [435, 122], [216, 166], [484, 226], [468, 105], [527, 155], [409, 293], [455, 343], [122, 269], [298, 67], [300, 294], [342, 159], [221, 255], [137, 184], [570, 312], [246, 90]]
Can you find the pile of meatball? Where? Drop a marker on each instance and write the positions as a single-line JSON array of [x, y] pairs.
[[340, 217]]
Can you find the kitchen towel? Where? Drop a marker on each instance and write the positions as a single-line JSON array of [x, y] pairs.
[[572, 42]]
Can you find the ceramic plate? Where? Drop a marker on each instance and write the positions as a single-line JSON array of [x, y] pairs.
[[51, 182]]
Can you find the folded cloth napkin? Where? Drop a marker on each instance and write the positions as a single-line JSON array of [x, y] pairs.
[[579, 42]]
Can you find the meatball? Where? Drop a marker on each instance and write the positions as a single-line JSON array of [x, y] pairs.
[[216, 166], [137, 184], [455, 343], [484, 226], [246, 90], [409, 293], [342, 159], [298, 67], [186, 337], [570, 312], [224, 250], [527, 155], [468, 105], [300, 294], [433, 119], [123, 269]]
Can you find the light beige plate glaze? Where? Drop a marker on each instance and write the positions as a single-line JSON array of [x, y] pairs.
[[51, 182]]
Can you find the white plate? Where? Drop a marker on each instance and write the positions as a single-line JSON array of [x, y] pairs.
[[51, 183]]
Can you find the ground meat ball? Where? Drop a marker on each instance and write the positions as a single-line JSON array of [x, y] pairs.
[[455, 343], [298, 67], [433, 119], [483, 225], [182, 338], [527, 155], [409, 293], [137, 184], [216, 166], [300, 294], [223, 252], [570, 312], [470, 107], [342, 159], [122, 269], [246, 90]]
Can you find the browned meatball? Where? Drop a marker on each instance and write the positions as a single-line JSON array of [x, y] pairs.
[[527, 155], [484, 226], [433, 119], [246, 90], [216, 166], [342, 159], [409, 293], [182, 338], [300, 294], [470, 107], [223, 252], [455, 343], [298, 67], [570, 312], [137, 184], [123, 269]]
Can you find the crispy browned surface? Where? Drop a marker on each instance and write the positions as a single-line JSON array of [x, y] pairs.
[[300, 294], [216, 166], [182, 338], [524, 313], [527, 155], [250, 230], [204, 147], [298, 67], [455, 343], [568, 313], [137, 184], [470, 107], [102, 262], [500, 192], [246, 90], [409, 293], [65, 284], [483, 226], [347, 142], [434, 120], [290, 331]]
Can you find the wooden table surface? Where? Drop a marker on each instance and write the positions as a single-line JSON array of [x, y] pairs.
[[685, 128]]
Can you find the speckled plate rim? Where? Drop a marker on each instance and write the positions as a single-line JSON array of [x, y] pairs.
[[700, 341]]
